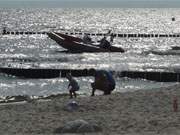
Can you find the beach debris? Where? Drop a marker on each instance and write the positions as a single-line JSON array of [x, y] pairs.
[[20, 98], [175, 104], [78, 126], [17, 98], [72, 105]]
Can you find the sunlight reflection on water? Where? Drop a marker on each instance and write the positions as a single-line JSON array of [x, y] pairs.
[[26, 51]]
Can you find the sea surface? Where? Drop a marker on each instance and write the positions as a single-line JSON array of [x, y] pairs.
[[25, 51]]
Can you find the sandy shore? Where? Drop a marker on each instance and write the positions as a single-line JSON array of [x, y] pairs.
[[141, 112]]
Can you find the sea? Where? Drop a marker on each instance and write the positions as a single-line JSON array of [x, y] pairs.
[[25, 51]]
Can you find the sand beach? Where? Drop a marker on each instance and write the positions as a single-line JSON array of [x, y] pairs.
[[139, 112]]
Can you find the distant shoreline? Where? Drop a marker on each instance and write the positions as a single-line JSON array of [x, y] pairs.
[[88, 4]]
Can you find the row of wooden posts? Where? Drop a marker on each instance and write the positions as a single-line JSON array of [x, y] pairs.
[[53, 73], [121, 35]]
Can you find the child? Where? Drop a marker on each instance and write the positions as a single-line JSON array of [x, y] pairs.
[[73, 86], [104, 81]]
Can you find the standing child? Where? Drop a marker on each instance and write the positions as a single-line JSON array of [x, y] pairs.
[[73, 86]]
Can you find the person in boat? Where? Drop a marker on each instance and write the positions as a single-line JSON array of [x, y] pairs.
[[87, 38], [112, 38], [73, 86], [103, 81], [4, 30], [104, 43], [109, 32]]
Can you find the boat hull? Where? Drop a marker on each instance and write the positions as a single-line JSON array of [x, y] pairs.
[[74, 44]]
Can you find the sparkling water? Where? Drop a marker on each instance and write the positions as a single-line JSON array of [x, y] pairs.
[[26, 50]]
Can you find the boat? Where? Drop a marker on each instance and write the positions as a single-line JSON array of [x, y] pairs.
[[76, 45], [175, 50], [175, 47], [167, 52]]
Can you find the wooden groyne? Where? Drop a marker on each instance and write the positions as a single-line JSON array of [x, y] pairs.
[[154, 76], [43, 73], [23, 33], [54, 73], [120, 35]]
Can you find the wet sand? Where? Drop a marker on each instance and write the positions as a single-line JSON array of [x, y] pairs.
[[140, 112]]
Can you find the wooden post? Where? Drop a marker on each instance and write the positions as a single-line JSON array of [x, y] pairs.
[[4, 30], [175, 104]]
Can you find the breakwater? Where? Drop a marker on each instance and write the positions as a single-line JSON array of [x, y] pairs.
[[53, 73], [120, 35]]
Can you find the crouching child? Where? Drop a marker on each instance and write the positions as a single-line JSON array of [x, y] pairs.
[[103, 81]]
